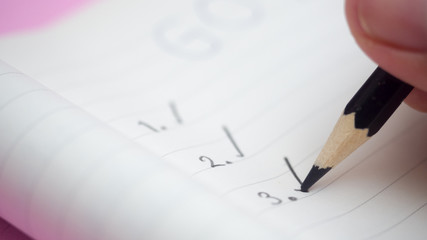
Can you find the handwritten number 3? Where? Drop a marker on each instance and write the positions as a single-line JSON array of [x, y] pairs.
[[277, 201]]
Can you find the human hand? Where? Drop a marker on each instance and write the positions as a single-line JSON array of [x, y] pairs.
[[393, 33]]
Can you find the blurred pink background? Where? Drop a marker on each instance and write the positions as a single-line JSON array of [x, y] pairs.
[[20, 15]]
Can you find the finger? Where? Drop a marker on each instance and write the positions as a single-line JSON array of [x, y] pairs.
[[393, 33], [417, 100]]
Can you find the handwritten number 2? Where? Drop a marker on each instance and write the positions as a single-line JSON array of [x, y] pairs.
[[212, 163], [276, 201]]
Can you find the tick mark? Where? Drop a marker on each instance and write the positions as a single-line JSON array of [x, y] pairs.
[[292, 170], [230, 137], [175, 112]]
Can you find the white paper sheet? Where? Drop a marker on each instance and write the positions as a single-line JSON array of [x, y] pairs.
[[223, 91]]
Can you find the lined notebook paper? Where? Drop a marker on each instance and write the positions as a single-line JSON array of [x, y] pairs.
[[186, 119]]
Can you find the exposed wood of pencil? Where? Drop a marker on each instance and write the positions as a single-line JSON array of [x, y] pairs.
[[363, 116], [344, 139]]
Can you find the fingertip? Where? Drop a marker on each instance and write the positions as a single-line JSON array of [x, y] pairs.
[[417, 99], [352, 18], [405, 58]]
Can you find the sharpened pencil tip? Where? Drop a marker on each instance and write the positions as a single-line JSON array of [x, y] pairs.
[[313, 176]]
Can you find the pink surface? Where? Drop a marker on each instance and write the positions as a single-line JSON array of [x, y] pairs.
[[8, 232], [18, 15]]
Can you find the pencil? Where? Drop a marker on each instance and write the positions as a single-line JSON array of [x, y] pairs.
[[363, 116]]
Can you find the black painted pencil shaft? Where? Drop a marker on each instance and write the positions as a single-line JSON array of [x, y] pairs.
[[377, 100], [363, 116]]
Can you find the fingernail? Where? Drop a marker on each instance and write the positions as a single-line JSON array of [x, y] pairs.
[[400, 23]]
